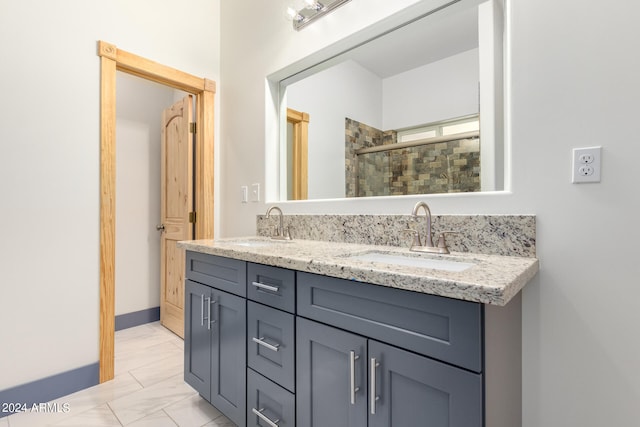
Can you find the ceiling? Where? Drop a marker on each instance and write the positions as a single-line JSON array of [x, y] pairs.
[[429, 39]]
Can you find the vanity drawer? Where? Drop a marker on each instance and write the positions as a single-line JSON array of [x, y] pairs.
[[272, 286], [442, 328], [226, 274], [270, 400], [270, 343]]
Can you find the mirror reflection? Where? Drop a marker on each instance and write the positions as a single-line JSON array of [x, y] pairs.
[[415, 111]]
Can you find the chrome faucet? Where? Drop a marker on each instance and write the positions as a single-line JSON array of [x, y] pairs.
[[281, 233], [414, 213], [428, 245]]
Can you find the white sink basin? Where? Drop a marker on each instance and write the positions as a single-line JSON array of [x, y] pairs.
[[414, 260]]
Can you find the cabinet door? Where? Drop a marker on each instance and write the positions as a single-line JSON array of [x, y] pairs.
[[197, 338], [229, 355], [325, 391], [408, 390]]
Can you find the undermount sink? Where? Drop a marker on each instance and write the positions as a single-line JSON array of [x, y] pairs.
[[414, 260]]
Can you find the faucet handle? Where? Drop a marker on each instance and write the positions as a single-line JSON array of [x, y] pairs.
[[416, 236], [442, 243]]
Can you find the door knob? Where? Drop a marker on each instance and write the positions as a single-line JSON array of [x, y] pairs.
[[160, 227]]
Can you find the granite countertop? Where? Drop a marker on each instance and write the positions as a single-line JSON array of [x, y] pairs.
[[493, 279]]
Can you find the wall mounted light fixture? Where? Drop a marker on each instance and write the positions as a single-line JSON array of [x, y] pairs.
[[311, 11]]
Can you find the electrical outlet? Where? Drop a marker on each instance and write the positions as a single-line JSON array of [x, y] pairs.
[[585, 170], [586, 158], [586, 165]]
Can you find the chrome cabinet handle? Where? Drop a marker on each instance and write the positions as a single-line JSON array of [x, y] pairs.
[[209, 319], [202, 310], [262, 342], [374, 397], [352, 376], [264, 418], [266, 287]]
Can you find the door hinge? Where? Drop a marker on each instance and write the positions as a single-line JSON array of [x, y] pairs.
[[192, 217], [192, 127]]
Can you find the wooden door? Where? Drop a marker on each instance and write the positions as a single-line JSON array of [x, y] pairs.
[[176, 206]]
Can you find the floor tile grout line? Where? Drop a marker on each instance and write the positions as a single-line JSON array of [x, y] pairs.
[[114, 414], [170, 417], [162, 408], [136, 380]]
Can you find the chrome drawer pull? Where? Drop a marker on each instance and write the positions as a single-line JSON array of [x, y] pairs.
[[202, 310], [374, 396], [264, 418], [266, 287], [209, 320], [352, 376], [262, 342]]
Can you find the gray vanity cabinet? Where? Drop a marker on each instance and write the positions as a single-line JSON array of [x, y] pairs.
[[197, 339], [229, 355], [215, 347], [268, 403], [348, 380], [406, 389], [429, 371], [269, 346], [331, 380]]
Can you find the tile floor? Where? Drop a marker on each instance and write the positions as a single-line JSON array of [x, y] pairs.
[[148, 390]]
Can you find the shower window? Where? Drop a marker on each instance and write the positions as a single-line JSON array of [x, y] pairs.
[[449, 127]]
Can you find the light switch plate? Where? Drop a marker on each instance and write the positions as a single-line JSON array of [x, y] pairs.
[[244, 194], [255, 192]]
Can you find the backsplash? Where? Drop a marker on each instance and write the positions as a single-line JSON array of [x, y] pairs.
[[509, 235]]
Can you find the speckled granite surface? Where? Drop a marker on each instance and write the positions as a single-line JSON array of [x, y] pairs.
[[509, 235], [492, 279]]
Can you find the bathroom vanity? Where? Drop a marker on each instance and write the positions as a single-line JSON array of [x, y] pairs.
[[310, 333]]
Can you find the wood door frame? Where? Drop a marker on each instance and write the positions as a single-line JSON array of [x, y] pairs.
[[300, 138], [113, 59]]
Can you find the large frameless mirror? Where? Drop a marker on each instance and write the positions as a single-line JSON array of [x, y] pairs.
[[417, 110]]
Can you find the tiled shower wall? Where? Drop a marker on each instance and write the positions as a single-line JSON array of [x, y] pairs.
[[447, 167]]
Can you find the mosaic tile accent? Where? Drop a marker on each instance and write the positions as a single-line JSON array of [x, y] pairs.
[[447, 167], [508, 235]]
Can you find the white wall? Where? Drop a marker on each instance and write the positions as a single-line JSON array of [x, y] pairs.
[[138, 122], [573, 75], [442, 90], [49, 166], [345, 90]]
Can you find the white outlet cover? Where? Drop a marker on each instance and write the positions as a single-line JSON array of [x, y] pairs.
[[580, 160]]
